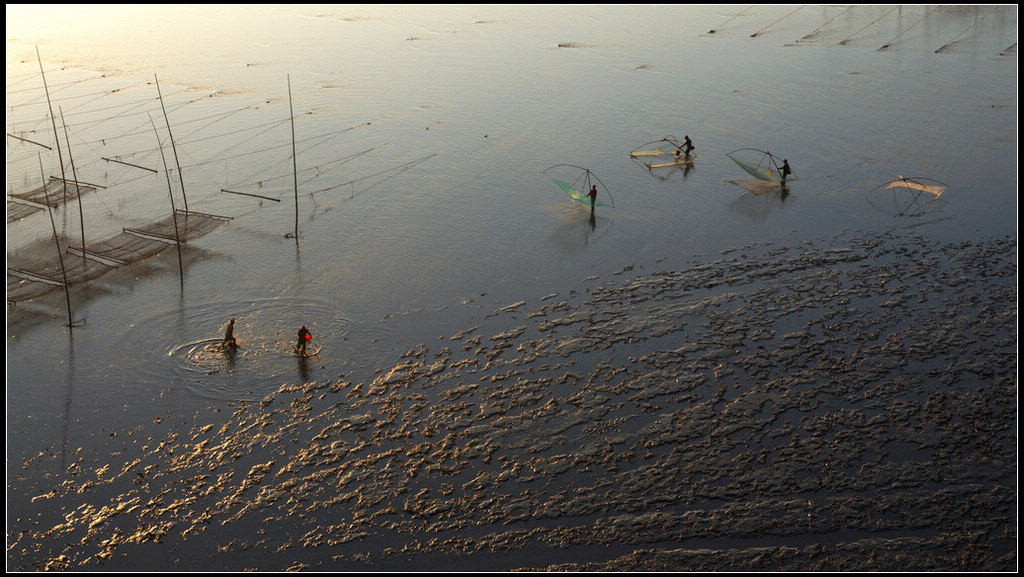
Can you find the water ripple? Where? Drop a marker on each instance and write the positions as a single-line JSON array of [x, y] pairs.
[[266, 331]]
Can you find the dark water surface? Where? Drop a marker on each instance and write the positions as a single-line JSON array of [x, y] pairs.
[[712, 374]]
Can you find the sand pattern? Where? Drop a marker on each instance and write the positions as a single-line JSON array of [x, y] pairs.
[[841, 404]]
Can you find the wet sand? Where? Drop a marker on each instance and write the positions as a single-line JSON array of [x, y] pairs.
[[839, 404]]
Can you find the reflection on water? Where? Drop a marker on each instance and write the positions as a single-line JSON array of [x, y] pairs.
[[578, 227], [763, 200]]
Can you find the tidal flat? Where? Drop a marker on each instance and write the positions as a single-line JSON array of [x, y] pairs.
[[844, 404], [707, 372]]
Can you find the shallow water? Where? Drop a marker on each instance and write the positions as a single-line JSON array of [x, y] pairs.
[[422, 133]]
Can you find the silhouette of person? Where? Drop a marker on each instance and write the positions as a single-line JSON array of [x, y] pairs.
[[785, 171], [304, 337], [593, 197], [229, 335], [687, 146]]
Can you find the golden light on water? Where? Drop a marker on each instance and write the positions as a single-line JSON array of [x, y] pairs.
[[707, 375]]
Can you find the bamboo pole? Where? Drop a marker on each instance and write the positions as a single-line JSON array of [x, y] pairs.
[[28, 141], [776, 22], [872, 23], [56, 241], [174, 212], [78, 182], [887, 44], [260, 196], [53, 121], [74, 174], [181, 177], [818, 29], [128, 164], [947, 44], [712, 31], [295, 169]]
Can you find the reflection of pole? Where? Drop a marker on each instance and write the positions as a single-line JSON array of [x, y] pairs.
[[181, 177], [74, 174], [174, 212], [54, 122], [295, 169], [69, 396], [60, 254]]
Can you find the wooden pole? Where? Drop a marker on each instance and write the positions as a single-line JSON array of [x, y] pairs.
[[295, 169], [776, 22], [128, 164], [872, 23], [56, 241], [28, 141], [174, 212], [818, 29], [53, 121], [181, 176], [712, 31], [78, 189]]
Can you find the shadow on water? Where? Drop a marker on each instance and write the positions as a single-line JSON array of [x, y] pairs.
[[761, 200], [578, 227]]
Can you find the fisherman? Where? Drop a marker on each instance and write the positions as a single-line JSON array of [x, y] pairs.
[[593, 197], [785, 171], [687, 146], [304, 337], [229, 335]]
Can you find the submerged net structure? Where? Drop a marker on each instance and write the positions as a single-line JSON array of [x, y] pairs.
[[57, 261], [23, 204], [37, 269]]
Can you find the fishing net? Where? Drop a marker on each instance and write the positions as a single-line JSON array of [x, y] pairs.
[[184, 225], [575, 193], [36, 270], [22, 204], [758, 171], [667, 145], [932, 189], [763, 169], [17, 211]]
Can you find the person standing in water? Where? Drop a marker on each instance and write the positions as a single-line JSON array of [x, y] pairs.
[[304, 337], [785, 171], [687, 146], [229, 335], [593, 197]]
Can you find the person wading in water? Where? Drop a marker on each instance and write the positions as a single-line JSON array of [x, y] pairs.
[[785, 171], [229, 335], [304, 337]]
